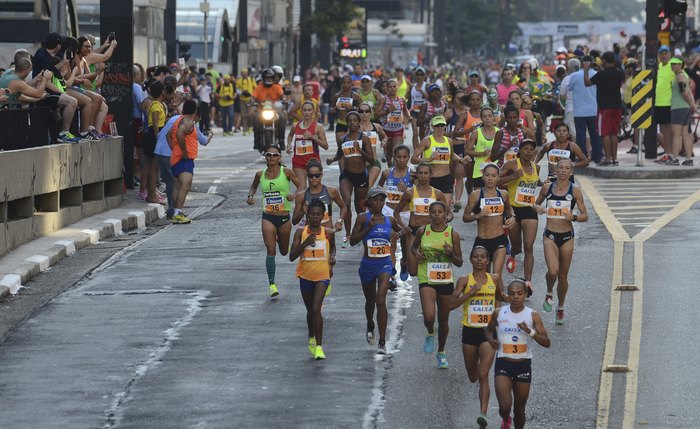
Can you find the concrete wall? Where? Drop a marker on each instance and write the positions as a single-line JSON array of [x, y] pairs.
[[44, 189]]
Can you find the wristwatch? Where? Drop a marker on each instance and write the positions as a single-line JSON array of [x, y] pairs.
[[575, 218]]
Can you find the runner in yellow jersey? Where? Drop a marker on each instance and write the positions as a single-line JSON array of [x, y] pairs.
[[315, 246], [479, 294]]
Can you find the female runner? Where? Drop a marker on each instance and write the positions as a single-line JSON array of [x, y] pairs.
[[522, 177], [562, 148], [513, 134], [527, 120], [376, 135], [561, 197], [377, 232], [315, 244], [480, 144], [479, 293], [276, 196], [327, 194], [342, 103], [490, 208], [436, 248], [462, 121], [517, 325], [395, 117], [304, 139]]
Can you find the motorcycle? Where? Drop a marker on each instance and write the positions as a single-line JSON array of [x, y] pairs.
[[269, 117]]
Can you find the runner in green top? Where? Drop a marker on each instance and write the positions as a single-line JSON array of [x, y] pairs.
[[436, 248]]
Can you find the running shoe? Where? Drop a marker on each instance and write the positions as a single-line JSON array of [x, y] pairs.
[[161, 188], [382, 348], [87, 135], [547, 304], [328, 289], [688, 162], [392, 284], [529, 288], [511, 263], [370, 337], [180, 219], [457, 208], [273, 290], [604, 163], [482, 421], [312, 346], [633, 149], [67, 137], [318, 353], [560, 317], [346, 242], [672, 161], [404, 273], [429, 343], [442, 360], [143, 195], [505, 423]]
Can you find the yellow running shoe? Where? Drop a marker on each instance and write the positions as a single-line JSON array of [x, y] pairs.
[[318, 353], [273, 290], [328, 289], [312, 346], [180, 219]]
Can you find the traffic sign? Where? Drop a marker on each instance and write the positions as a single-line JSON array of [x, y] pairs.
[[642, 99]]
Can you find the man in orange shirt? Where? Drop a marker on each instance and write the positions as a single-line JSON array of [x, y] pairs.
[[185, 145], [268, 90]]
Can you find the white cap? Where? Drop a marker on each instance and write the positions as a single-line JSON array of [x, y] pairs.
[[296, 79], [677, 52], [561, 50], [366, 77]]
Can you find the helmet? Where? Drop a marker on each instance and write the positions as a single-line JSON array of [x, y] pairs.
[[277, 70], [268, 77]]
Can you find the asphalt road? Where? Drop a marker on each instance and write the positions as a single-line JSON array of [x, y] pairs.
[[174, 329]]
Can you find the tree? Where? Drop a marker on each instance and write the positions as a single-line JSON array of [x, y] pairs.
[[330, 18]]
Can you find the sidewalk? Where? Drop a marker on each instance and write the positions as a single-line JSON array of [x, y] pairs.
[[649, 170]]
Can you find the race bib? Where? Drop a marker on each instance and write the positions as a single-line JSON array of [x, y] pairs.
[[373, 138], [273, 202], [525, 196], [417, 104], [315, 252], [556, 154], [443, 155], [393, 194], [302, 146], [479, 315], [395, 117], [511, 154], [557, 209], [514, 345], [421, 206], [492, 206], [378, 248], [344, 103], [439, 272], [349, 149]]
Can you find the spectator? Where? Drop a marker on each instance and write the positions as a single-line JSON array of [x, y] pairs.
[[297, 90], [505, 87], [157, 111], [682, 105], [226, 95], [202, 87], [662, 100], [16, 90], [356, 75], [246, 84], [567, 98], [608, 83], [475, 84], [83, 81], [585, 111], [137, 116]]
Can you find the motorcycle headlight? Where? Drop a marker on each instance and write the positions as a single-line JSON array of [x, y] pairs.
[[268, 114]]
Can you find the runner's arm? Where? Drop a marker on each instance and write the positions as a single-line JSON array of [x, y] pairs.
[[254, 188], [358, 230], [582, 210], [541, 336], [583, 160]]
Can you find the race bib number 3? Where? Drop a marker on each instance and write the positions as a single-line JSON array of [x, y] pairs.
[[492, 206], [515, 349], [557, 209], [440, 272], [378, 248], [315, 252], [525, 196]]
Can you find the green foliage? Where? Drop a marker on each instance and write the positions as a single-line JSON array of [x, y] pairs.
[[330, 18]]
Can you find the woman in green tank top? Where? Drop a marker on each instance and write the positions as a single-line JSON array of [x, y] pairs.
[[436, 248]]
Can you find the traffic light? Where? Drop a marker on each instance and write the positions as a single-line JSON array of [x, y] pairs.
[[675, 12], [344, 40], [184, 49]]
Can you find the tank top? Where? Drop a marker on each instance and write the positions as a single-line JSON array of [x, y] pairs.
[[437, 267], [492, 206], [523, 190], [391, 185], [559, 205], [482, 144], [393, 121], [368, 98], [417, 100], [443, 149], [191, 143], [513, 342], [305, 148], [402, 89], [373, 138], [377, 239], [314, 262], [452, 124], [348, 147], [512, 152], [431, 111], [324, 196], [5, 79], [345, 104], [469, 122], [677, 100], [274, 193], [524, 119], [477, 310], [554, 155], [420, 206]]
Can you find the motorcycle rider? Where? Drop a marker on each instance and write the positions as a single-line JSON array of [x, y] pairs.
[[268, 90]]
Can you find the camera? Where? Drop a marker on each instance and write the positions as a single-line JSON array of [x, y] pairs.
[[111, 37]]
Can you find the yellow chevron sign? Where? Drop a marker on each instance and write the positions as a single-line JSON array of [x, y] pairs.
[[642, 99]]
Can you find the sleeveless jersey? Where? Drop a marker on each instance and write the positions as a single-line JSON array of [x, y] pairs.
[[477, 310], [433, 110], [392, 186], [420, 206], [402, 89], [442, 149], [492, 206], [469, 122], [324, 196], [377, 239], [558, 205], [437, 267], [314, 262], [523, 190], [417, 100], [305, 148], [373, 138], [554, 155], [348, 147], [274, 193], [393, 121], [513, 342], [482, 144], [507, 138]]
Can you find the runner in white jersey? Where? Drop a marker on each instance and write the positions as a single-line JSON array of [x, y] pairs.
[[418, 97]]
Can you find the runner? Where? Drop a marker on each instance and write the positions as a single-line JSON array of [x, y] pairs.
[[315, 245], [376, 134], [490, 208], [469, 119], [522, 178], [480, 144], [327, 194], [418, 98], [527, 120], [479, 294], [516, 325], [513, 134], [434, 106], [395, 115], [342, 103], [561, 148], [436, 150], [276, 195], [377, 232], [370, 96], [356, 150], [436, 248], [418, 200], [304, 139], [561, 197], [397, 180]]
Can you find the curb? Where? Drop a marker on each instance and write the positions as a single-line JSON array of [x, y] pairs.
[[136, 219], [648, 171]]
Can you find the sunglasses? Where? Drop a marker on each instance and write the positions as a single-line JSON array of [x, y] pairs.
[[272, 155], [364, 111], [314, 176]]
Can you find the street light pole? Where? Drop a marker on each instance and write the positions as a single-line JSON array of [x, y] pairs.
[[204, 8]]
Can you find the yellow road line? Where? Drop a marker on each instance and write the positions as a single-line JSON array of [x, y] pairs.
[[632, 378], [603, 211], [680, 208]]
